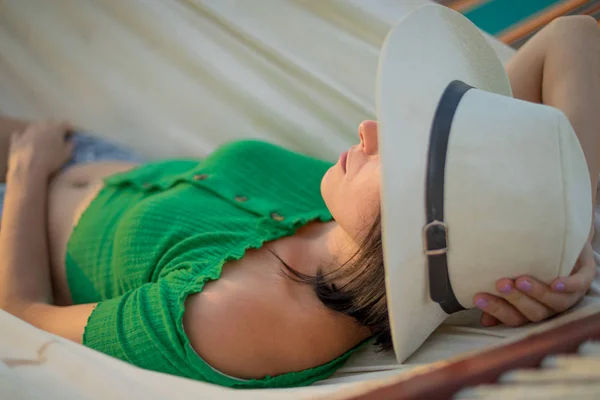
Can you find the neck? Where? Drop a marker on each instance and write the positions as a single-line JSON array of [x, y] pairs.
[[320, 245]]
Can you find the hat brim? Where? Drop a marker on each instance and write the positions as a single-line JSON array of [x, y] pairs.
[[424, 52]]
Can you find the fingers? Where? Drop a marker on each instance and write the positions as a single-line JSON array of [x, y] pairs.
[[14, 137], [542, 293], [527, 299], [47, 143], [531, 309], [582, 277], [51, 126], [488, 320], [57, 127], [499, 309]]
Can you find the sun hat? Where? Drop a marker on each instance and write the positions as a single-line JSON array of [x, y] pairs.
[[476, 185]]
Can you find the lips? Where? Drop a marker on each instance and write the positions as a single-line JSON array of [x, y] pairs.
[[344, 160]]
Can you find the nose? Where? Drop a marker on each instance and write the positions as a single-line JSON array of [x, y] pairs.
[[367, 131]]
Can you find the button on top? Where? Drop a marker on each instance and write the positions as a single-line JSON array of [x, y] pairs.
[[277, 217], [200, 177], [241, 199]]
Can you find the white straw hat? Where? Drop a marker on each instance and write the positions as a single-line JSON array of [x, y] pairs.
[[477, 185]]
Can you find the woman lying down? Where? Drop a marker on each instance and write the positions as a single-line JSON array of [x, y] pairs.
[[261, 267]]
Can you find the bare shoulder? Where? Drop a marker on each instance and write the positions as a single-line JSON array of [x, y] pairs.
[[227, 329], [252, 328]]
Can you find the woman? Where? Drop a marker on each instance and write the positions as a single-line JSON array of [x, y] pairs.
[[232, 270]]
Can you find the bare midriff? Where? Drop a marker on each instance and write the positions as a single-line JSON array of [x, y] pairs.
[[69, 195]]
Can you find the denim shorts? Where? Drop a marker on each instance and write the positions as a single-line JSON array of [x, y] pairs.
[[89, 149]]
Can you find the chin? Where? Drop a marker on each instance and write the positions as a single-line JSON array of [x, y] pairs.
[[328, 186]]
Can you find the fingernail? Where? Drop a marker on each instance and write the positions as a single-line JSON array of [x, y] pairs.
[[506, 288], [524, 286], [481, 303], [560, 286]]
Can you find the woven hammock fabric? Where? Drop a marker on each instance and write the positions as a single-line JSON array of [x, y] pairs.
[[180, 77]]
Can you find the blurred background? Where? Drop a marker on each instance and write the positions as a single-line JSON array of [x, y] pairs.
[[180, 77], [515, 21]]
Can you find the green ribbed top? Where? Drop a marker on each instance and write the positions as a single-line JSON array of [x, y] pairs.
[[158, 233]]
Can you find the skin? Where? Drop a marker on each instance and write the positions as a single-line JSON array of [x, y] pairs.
[[560, 67], [275, 325]]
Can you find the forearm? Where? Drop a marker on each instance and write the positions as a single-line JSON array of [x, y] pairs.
[[24, 266], [572, 84], [560, 67]]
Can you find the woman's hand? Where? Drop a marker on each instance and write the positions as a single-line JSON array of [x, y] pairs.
[[41, 149], [525, 299]]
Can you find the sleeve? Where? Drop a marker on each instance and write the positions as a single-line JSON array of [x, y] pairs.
[[143, 327]]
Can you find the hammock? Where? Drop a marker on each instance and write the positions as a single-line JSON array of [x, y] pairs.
[[179, 78]]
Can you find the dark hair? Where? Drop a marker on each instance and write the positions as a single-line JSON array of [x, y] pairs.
[[362, 294]]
